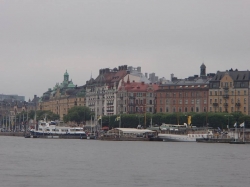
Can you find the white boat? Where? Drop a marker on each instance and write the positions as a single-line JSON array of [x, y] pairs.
[[50, 130], [189, 137]]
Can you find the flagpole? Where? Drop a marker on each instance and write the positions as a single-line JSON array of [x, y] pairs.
[[243, 131], [236, 132], [101, 122]]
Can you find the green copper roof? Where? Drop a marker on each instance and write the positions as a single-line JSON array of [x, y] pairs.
[[71, 85], [66, 73]]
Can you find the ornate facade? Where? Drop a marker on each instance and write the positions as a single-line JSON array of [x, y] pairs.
[[136, 97], [229, 92], [63, 97]]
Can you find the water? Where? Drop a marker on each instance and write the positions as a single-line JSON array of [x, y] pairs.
[[73, 163]]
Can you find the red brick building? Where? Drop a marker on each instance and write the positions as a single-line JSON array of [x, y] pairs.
[[136, 97], [181, 97]]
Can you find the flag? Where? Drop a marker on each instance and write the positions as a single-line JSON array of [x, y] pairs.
[[100, 117], [242, 124], [235, 125], [117, 118], [189, 120], [219, 130]]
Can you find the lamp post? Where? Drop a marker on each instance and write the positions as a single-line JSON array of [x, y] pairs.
[[228, 120]]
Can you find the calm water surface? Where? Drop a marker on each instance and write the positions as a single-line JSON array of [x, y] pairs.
[[73, 163]]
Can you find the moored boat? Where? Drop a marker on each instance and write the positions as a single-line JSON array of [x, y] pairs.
[[189, 137], [49, 130]]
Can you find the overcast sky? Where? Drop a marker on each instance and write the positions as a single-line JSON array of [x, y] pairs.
[[39, 40]]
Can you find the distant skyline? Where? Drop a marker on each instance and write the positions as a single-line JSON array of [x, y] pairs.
[[41, 39]]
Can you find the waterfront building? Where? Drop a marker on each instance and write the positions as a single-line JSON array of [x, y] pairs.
[[11, 97], [184, 95], [136, 97], [229, 92], [62, 97], [101, 93]]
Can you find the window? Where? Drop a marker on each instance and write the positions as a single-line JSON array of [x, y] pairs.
[[197, 109], [197, 101], [205, 101], [160, 109], [192, 101], [192, 109], [204, 109], [232, 92], [210, 109], [211, 93], [245, 109], [215, 92], [179, 109], [210, 101], [232, 101], [167, 101], [186, 101], [180, 101], [245, 101], [174, 102], [238, 92], [185, 109], [245, 92], [232, 109], [166, 109], [220, 109], [220, 92], [220, 101]]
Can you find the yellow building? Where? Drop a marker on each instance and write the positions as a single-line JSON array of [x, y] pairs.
[[229, 92], [62, 97]]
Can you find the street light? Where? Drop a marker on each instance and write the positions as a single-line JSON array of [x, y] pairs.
[[228, 120]]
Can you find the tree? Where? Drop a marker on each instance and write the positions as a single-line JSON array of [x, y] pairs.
[[78, 114]]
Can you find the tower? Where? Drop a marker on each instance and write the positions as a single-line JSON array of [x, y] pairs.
[[203, 70], [66, 77]]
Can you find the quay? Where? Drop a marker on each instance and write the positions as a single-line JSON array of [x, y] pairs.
[[11, 133]]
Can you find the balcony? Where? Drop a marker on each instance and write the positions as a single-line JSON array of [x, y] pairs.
[[237, 104], [226, 96], [225, 88], [110, 104], [225, 104], [215, 104], [131, 104], [110, 110]]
